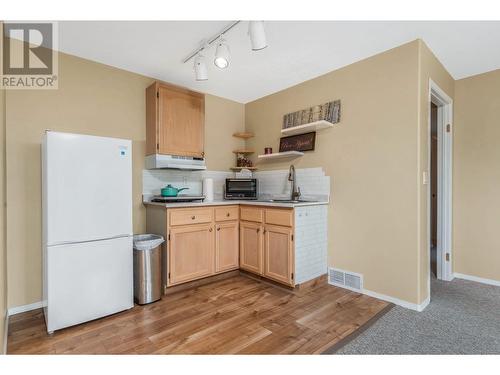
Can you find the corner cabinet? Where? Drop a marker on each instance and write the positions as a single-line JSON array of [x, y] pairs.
[[251, 247], [175, 121], [226, 246]]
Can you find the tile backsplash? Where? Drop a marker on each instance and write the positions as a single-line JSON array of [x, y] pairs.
[[273, 184], [312, 182], [155, 179]]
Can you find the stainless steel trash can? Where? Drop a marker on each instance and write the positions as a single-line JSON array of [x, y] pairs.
[[147, 268]]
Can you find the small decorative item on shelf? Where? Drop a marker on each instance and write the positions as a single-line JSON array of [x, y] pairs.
[[243, 161], [328, 111], [268, 150]]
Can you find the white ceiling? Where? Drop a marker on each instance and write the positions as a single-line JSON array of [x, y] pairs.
[[298, 50]]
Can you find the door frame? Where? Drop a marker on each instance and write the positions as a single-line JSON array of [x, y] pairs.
[[444, 182]]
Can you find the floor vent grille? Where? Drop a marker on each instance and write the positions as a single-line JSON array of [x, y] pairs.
[[345, 279]]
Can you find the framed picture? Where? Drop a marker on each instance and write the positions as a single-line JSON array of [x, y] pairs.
[[299, 142]]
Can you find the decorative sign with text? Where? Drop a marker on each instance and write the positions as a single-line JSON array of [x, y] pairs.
[[299, 142]]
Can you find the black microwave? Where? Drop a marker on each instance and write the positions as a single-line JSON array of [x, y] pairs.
[[240, 188]]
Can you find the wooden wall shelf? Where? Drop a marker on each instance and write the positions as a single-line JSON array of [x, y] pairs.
[[244, 135], [242, 151]]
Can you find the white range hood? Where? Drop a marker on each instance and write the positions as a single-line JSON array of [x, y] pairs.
[[158, 161]]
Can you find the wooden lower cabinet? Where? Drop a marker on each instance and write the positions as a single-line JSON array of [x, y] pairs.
[[191, 253], [278, 254], [267, 249], [251, 247], [226, 246], [216, 244]]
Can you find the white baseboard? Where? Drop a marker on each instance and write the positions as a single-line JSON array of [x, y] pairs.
[[423, 305], [5, 334], [397, 301], [24, 308], [476, 279], [383, 297]]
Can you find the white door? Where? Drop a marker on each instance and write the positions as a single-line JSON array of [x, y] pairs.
[[88, 187], [87, 281]]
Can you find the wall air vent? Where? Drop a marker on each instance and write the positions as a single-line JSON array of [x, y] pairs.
[[336, 277], [345, 279]]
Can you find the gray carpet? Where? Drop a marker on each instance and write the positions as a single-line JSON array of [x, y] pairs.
[[462, 318]]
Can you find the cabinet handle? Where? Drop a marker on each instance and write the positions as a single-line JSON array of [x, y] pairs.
[[218, 229], [228, 214], [210, 230], [258, 230], [193, 217]]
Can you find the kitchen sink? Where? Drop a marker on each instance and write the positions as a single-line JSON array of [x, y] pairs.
[[287, 201]]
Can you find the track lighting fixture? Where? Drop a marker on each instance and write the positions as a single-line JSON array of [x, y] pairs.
[[200, 68], [257, 35], [258, 41], [221, 59]]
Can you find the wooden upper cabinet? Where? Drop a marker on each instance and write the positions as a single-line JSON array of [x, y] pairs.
[[175, 121]]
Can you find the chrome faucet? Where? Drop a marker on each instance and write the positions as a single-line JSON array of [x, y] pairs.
[[295, 191]]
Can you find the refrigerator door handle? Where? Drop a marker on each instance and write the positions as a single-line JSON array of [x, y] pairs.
[[94, 240]]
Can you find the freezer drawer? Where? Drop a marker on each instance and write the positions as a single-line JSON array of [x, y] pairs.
[[86, 281]]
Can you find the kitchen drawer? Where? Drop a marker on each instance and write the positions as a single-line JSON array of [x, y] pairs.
[[251, 214], [183, 216], [226, 213], [282, 217]]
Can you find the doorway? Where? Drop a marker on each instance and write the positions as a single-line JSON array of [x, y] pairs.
[[440, 143]]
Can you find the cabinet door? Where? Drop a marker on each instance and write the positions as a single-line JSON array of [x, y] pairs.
[[251, 247], [191, 253], [181, 119], [278, 254], [226, 246]]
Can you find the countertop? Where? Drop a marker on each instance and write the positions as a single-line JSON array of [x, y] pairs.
[[220, 202]]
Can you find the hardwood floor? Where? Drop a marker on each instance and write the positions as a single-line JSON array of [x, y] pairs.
[[235, 315]]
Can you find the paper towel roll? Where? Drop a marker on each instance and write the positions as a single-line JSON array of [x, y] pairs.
[[208, 189]]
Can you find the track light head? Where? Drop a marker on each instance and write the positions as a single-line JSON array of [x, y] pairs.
[[257, 35], [222, 54], [200, 68]]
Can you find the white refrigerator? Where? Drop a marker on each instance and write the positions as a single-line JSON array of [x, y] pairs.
[[87, 228]]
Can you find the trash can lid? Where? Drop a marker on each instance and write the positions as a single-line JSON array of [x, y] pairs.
[[147, 241]]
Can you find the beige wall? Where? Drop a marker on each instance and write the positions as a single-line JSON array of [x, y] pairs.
[[371, 157], [476, 176], [223, 118], [429, 68], [92, 99]]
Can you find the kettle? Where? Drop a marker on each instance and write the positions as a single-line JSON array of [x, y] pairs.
[[170, 191]]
